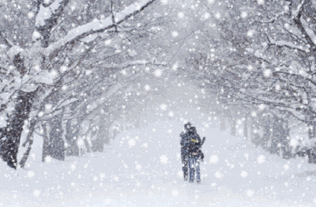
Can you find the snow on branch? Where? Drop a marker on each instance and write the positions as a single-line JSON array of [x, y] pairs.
[[289, 45], [132, 63], [273, 19], [299, 21], [46, 13], [309, 31], [97, 26], [297, 11], [6, 41], [46, 19]]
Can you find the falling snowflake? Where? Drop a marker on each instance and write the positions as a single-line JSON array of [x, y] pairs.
[[261, 107], [30, 174], [131, 143], [102, 175], [214, 159], [107, 201], [63, 68], [207, 15], [261, 159], [163, 159], [147, 87], [250, 193], [48, 159], [138, 167], [53, 73], [217, 15], [267, 73], [2, 121], [171, 114], [64, 88], [73, 167], [36, 193], [30, 15], [107, 42], [218, 175], [180, 174], [175, 34], [293, 142], [243, 174], [175, 66], [175, 192], [36, 35], [244, 14], [158, 73], [80, 142], [163, 107], [180, 15], [164, 1], [260, 1], [250, 33]]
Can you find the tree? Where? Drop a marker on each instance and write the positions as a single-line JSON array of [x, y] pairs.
[[38, 64]]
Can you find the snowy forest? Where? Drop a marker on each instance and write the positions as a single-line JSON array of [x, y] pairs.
[[95, 93]]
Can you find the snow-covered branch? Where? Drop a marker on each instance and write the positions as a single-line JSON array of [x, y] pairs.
[[309, 31], [298, 10], [132, 63], [98, 26], [289, 45], [46, 19], [46, 12], [273, 19], [298, 20], [7, 42]]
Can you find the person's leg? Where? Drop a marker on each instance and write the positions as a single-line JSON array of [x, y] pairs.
[[197, 166], [192, 166], [185, 166]]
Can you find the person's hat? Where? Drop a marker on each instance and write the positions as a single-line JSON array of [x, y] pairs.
[[187, 125]]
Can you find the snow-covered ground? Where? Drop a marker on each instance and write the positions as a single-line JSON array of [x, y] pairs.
[[142, 168]]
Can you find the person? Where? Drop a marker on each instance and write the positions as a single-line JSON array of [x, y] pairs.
[[191, 153], [185, 149]]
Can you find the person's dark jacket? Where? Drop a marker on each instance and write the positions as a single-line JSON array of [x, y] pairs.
[[191, 144]]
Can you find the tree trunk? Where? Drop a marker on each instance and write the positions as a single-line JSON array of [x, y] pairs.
[[102, 135], [255, 137], [276, 136], [56, 142], [267, 129], [86, 143], [45, 152], [15, 125], [311, 152], [287, 148], [223, 124], [29, 139], [310, 124], [72, 145], [233, 126], [246, 128], [107, 136]]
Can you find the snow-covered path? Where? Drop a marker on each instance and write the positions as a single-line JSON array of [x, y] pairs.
[[142, 168]]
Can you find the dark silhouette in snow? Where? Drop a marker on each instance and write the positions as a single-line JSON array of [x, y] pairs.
[[191, 153]]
